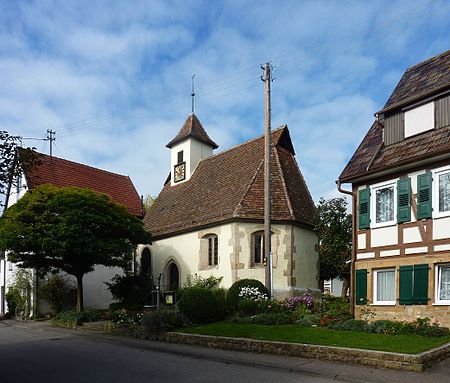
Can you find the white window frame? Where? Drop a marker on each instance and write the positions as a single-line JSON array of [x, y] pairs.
[[435, 192], [375, 287], [437, 279], [373, 203]]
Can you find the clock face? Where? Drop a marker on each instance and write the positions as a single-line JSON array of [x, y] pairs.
[[179, 172]]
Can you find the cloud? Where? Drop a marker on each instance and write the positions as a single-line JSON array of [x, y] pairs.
[[113, 78]]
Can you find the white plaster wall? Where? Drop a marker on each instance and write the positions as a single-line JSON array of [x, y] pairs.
[[306, 259], [198, 151], [384, 236], [184, 249], [441, 228], [96, 294], [411, 235], [362, 241]]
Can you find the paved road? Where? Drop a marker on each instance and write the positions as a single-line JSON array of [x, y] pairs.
[[33, 352]]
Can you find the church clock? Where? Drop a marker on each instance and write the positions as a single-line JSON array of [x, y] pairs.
[[179, 172]]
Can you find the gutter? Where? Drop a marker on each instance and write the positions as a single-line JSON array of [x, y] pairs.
[[353, 257]]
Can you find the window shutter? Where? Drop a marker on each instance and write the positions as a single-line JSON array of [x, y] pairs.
[[406, 285], [361, 287], [364, 209], [420, 294], [404, 200], [424, 207]]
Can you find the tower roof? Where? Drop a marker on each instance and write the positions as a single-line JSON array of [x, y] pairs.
[[192, 128]]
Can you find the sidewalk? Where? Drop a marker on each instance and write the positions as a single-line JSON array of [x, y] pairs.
[[339, 371]]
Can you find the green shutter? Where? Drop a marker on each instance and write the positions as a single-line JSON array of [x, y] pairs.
[[361, 287], [364, 209], [420, 293], [406, 285], [424, 207], [404, 200]]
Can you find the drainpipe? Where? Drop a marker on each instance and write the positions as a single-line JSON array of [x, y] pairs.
[[353, 258]]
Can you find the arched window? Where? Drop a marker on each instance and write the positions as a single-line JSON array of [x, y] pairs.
[[174, 276], [146, 262]]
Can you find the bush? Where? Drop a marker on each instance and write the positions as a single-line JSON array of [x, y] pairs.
[[72, 319], [162, 321], [305, 317], [56, 291], [131, 291], [233, 293], [198, 281], [221, 298], [247, 307], [351, 325], [274, 306], [199, 305], [123, 316]]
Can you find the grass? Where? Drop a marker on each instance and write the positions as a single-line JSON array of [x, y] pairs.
[[408, 344]]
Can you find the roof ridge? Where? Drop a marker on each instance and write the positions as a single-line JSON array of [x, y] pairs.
[[244, 143], [283, 182], [79, 163], [427, 60], [239, 206]]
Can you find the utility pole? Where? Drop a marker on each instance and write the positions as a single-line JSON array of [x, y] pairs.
[[51, 138], [267, 195]]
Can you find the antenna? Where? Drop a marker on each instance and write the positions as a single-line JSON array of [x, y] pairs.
[[51, 138], [193, 94]]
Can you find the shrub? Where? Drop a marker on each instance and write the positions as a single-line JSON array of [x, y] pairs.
[[305, 317], [162, 321], [351, 325], [56, 291], [123, 316], [233, 293], [272, 318], [198, 281], [131, 291], [247, 307], [221, 298], [269, 306], [72, 319], [199, 305], [294, 302]]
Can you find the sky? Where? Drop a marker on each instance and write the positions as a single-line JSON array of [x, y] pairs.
[[113, 78]]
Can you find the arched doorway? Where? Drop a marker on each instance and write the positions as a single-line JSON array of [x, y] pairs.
[[174, 276], [146, 263]]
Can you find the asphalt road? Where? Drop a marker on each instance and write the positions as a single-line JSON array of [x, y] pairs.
[[33, 352]]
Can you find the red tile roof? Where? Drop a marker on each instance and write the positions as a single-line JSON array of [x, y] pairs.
[[230, 185], [59, 172], [193, 128]]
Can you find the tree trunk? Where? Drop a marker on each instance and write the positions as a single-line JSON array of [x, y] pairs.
[[79, 293], [345, 287]]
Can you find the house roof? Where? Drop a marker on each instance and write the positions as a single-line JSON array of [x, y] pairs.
[[59, 172], [421, 80], [192, 128], [372, 157], [230, 185]]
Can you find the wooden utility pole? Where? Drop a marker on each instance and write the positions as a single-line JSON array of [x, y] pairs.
[[267, 229]]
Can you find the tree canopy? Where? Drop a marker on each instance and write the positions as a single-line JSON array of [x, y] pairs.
[[69, 229], [11, 163], [334, 228]]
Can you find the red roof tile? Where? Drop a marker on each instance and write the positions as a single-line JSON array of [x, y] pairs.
[[59, 172], [230, 185]]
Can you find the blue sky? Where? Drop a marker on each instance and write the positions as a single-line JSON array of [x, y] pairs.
[[113, 78]]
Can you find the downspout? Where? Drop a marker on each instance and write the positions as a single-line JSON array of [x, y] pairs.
[[353, 258]]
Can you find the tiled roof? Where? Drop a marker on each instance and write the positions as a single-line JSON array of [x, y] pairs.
[[431, 144], [59, 172], [421, 80], [230, 185], [193, 128]]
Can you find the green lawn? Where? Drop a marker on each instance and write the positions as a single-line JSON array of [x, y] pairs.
[[408, 344]]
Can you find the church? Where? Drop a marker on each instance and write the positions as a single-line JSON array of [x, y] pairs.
[[208, 218]]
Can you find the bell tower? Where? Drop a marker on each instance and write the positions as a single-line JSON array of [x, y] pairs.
[[191, 145]]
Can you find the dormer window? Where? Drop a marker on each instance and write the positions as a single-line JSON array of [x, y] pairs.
[[419, 119]]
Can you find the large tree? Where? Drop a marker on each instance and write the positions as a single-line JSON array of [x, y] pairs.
[[334, 228], [71, 230], [12, 163]]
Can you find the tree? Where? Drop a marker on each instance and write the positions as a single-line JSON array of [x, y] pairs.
[[148, 202], [334, 228], [11, 163], [69, 229]]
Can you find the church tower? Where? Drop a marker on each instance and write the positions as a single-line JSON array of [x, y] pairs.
[[188, 148]]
